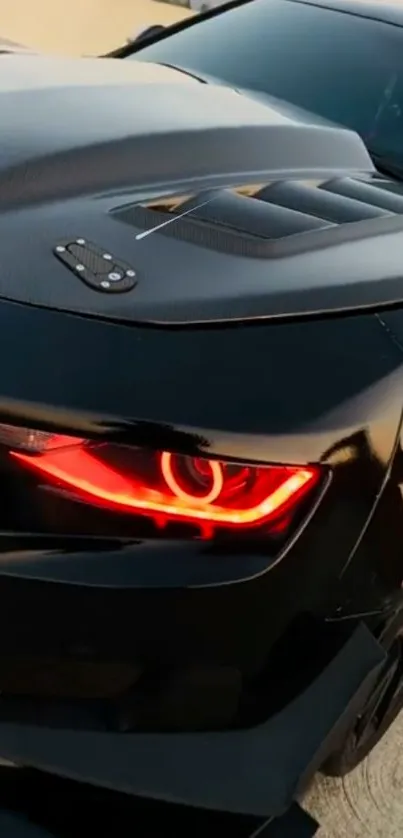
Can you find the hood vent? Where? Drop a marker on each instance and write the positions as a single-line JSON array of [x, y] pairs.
[[237, 220]]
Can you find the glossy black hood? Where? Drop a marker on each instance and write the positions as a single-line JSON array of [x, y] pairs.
[[70, 126], [86, 144]]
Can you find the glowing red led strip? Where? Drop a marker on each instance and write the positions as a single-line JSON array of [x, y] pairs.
[[78, 469]]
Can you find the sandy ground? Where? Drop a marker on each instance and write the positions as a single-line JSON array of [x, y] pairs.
[[370, 801], [80, 26]]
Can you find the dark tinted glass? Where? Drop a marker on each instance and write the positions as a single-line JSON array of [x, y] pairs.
[[343, 67]]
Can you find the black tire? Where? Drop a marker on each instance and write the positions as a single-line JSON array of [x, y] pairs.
[[344, 761], [380, 711]]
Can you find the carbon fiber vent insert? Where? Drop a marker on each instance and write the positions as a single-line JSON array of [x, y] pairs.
[[272, 220]]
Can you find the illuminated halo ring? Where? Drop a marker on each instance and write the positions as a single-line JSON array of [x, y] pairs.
[[176, 489]]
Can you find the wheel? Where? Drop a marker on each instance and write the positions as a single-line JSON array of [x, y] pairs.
[[380, 711]]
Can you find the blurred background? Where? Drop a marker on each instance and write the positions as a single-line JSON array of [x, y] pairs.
[[76, 27]]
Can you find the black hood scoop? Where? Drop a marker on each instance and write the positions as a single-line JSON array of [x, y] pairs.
[[215, 207]]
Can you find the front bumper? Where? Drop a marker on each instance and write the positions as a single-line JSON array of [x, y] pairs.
[[296, 824], [259, 771]]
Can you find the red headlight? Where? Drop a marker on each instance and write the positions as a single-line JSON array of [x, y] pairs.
[[164, 486]]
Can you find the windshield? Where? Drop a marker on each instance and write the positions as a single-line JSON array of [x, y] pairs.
[[343, 67]]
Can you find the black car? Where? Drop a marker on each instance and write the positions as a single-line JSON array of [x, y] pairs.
[[201, 394], [340, 59]]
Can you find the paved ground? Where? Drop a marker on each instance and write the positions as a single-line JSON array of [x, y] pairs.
[[370, 801]]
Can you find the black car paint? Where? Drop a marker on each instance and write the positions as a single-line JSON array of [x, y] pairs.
[[315, 389], [341, 60], [223, 771], [300, 408], [297, 823]]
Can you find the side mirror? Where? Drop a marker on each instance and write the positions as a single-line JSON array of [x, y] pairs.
[[145, 32]]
